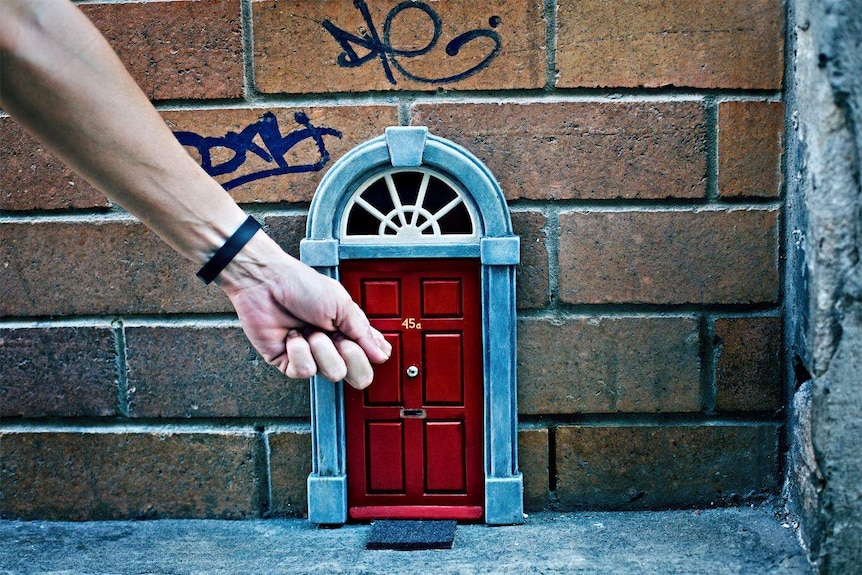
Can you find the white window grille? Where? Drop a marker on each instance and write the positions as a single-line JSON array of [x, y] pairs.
[[418, 205]]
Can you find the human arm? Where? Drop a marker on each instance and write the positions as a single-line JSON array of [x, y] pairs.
[[61, 80]]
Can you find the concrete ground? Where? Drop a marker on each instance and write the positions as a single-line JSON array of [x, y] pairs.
[[744, 540]]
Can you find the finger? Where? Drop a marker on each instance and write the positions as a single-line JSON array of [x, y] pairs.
[[356, 327], [328, 360], [359, 370], [300, 361]]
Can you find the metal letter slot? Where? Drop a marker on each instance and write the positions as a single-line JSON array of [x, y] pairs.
[[413, 413]]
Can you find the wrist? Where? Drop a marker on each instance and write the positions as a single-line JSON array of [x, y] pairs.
[[226, 253], [253, 264]]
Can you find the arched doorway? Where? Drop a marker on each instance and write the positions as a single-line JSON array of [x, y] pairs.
[[418, 230]]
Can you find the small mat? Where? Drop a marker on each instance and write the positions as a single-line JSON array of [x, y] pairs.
[[411, 535]]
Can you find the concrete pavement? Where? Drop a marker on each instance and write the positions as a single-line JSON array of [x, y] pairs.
[[743, 540]]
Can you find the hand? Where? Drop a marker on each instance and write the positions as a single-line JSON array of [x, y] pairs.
[[301, 321]]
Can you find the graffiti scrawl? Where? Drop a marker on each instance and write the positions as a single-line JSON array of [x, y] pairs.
[[275, 148], [380, 47]]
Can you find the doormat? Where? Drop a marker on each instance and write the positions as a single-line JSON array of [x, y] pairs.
[[410, 535]]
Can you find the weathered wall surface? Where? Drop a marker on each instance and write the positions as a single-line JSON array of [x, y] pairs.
[[824, 281], [638, 145]]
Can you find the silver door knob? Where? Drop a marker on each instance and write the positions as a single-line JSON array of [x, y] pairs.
[[412, 371]]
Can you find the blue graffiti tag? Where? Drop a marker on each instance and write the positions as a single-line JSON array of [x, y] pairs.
[[277, 146], [382, 48]]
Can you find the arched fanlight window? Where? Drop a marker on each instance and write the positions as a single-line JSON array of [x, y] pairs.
[[410, 206]]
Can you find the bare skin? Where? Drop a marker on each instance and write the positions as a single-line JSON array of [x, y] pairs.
[[60, 79]]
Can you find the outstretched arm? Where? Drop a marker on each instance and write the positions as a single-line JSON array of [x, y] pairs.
[[61, 80]]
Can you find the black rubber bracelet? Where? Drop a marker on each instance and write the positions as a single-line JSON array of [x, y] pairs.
[[228, 251]]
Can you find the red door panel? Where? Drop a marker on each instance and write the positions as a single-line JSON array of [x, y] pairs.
[[441, 298], [444, 368], [386, 456], [388, 392], [445, 465], [380, 298], [414, 437]]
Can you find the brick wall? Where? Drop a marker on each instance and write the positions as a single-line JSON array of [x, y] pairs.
[[639, 146]]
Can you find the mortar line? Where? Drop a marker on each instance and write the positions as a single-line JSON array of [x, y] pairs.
[[652, 419], [614, 310], [277, 209], [212, 320], [552, 244], [513, 96], [560, 311], [248, 87], [123, 403], [787, 251], [251, 426], [213, 425], [301, 209], [711, 111], [266, 505], [709, 390], [624, 205], [550, 13], [97, 216], [552, 463], [550, 312], [404, 113], [59, 322]]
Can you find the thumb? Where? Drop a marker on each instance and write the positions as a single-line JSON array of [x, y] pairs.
[[356, 326]]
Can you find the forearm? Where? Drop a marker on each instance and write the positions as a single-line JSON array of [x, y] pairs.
[[61, 80]]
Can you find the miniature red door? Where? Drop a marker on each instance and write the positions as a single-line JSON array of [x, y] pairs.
[[414, 437]]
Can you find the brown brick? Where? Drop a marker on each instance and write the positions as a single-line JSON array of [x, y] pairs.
[[533, 463], [287, 231], [60, 268], [532, 282], [58, 372], [674, 257], [748, 364], [649, 467], [352, 124], [581, 150], [177, 49], [750, 143], [289, 464], [608, 365], [127, 475], [294, 53], [32, 178], [206, 372], [654, 43]]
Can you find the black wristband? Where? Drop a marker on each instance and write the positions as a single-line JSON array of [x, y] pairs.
[[226, 253]]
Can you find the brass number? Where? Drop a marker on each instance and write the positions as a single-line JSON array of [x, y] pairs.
[[411, 323]]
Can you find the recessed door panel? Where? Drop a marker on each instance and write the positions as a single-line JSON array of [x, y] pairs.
[[414, 437], [385, 472], [387, 389], [380, 297], [445, 453], [442, 298], [444, 368]]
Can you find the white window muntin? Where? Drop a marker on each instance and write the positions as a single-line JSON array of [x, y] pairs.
[[404, 222]]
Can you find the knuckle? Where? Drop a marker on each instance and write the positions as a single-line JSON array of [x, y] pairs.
[[300, 370], [335, 374]]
